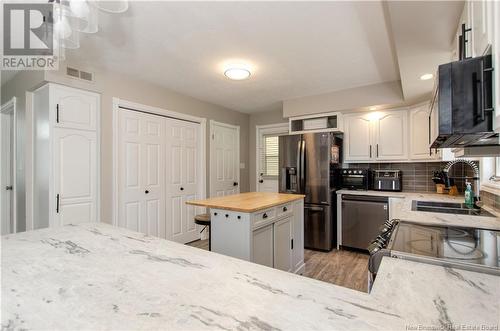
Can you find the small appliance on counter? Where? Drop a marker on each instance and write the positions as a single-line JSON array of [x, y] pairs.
[[388, 180], [456, 247], [356, 179]]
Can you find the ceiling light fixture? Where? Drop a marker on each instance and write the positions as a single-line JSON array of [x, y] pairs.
[[426, 76], [373, 108], [237, 72]]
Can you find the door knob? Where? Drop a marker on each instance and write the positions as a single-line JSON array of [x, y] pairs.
[[235, 184], [147, 191], [182, 188], [8, 188]]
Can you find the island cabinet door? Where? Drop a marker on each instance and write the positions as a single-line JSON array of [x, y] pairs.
[[262, 246], [283, 234]]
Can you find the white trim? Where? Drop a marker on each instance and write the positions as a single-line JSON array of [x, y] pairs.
[[29, 162], [230, 126], [129, 105], [279, 128], [10, 107]]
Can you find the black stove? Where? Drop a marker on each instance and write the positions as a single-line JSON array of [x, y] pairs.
[[464, 248]]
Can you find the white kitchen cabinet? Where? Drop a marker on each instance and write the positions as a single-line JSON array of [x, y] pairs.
[[358, 138], [378, 136], [422, 133], [271, 236], [75, 176], [263, 250], [495, 34], [391, 140], [480, 16], [66, 158], [283, 236], [74, 108]]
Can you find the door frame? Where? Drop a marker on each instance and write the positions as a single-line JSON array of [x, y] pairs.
[[6, 108], [260, 130], [212, 167], [129, 105]]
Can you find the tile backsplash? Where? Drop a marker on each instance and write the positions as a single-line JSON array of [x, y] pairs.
[[417, 176], [491, 199]]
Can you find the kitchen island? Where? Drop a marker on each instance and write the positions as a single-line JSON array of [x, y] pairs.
[[261, 227], [98, 277]]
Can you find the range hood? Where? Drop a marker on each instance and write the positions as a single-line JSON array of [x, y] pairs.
[[462, 108]]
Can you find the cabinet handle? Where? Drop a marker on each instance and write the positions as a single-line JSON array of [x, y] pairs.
[[57, 113], [57, 203], [239, 217], [215, 214], [285, 209], [235, 184], [370, 151], [377, 150], [227, 215], [261, 181], [264, 216], [291, 243], [147, 191], [182, 188]]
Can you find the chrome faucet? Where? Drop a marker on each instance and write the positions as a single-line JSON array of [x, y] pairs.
[[474, 167]]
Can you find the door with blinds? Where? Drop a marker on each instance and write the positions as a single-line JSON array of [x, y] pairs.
[[268, 163]]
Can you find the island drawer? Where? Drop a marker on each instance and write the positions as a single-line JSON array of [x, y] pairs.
[[284, 209], [264, 216]]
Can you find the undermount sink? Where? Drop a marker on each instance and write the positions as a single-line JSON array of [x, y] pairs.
[[448, 208]]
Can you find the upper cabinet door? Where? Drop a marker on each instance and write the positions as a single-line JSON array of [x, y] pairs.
[[74, 109], [390, 132], [480, 18], [357, 138], [420, 134]]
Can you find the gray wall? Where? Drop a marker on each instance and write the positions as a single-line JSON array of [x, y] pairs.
[[262, 118], [17, 87], [115, 85]]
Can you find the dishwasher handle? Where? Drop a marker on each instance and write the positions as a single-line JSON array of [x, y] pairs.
[[371, 198]]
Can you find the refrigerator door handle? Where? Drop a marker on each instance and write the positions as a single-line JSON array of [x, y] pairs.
[[299, 178], [302, 167]]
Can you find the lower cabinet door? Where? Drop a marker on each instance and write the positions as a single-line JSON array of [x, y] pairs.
[[263, 246], [283, 244]]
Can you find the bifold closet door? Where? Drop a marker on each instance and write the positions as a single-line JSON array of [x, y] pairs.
[[141, 165], [75, 176], [182, 162]]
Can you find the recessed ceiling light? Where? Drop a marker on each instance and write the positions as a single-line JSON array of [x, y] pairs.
[[237, 72], [373, 108], [426, 76]]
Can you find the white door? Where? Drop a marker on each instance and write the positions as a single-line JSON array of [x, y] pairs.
[[7, 208], [74, 108], [141, 173], [390, 133], [283, 244], [75, 176], [182, 168], [262, 246], [224, 159], [358, 138]]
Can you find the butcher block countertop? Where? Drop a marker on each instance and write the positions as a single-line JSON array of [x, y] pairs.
[[247, 202]]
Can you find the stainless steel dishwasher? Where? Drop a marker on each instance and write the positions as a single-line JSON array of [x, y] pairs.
[[362, 216]]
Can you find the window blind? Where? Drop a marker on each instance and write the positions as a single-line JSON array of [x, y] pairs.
[[269, 156]]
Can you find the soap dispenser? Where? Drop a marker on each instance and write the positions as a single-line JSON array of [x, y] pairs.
[[469, 196]]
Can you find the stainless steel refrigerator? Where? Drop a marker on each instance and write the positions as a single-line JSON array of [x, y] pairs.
[[308, 165]]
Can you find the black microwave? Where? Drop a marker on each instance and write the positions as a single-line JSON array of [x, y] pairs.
[[355, 179], [462, 107]]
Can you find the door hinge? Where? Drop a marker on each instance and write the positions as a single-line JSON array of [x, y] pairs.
[[291, 242], [57, 113]]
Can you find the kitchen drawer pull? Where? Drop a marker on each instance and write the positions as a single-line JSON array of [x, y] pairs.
[[215, 214], [285, 209], [239, 217], [227, 215], [264, 215]]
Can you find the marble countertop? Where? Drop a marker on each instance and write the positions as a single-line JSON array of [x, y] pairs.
[[95, 276], [400, 208]]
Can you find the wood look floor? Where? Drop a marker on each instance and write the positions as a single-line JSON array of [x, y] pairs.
[[343, 268]]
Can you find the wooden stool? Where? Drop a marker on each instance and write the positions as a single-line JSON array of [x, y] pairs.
[[204, 219]]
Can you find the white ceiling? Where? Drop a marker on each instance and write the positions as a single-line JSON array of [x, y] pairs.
[[296, 48], [424, 35]]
